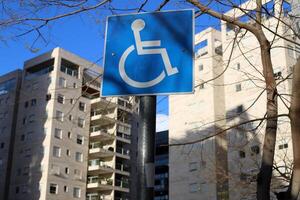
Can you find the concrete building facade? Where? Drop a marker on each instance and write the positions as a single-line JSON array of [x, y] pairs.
[[295, 15], [52, 129], [60, 139], [225, 166], [9, 97]]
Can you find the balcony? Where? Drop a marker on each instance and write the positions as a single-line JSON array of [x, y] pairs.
[[97, 133], [124, 105], [122, 185], [124, 128], [100, 118], [100, 185], [122, 169], [96, 196], [123, 137], [123, 153], [101, 152], [101, 168], [104, 103]]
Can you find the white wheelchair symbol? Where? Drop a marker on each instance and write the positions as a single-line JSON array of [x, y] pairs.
[[136, 26]]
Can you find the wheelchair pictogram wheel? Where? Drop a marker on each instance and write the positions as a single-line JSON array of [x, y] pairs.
[[132, 82]]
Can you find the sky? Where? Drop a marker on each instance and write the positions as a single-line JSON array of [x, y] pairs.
[[82, 35]]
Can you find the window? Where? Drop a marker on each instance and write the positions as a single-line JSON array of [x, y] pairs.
[[70, 117], [19, 172], [80, 139], [2, 145], [255, 149], [27, 152], [59, 115], [58, 133], [48, 97], [24, 189], [35, 86], [61, 98], [67, 170], [25, 171], [17, 189], [68, 152], [78, 157], [81, 106], [26, 104], [69, 135], [81, 122], [56, 151], [201, 86], [62, 82], [31, 118], [283, 146], [77, 173], [22, 137], [33, 102], [239, 109], [66, 189], [277, 75], [238, 66], [53, 188], [76, 192], [74, 85], [24, 121], [201, 67], [193, 166], [238, 87], [71, 101], [242, 154], [194, 187]]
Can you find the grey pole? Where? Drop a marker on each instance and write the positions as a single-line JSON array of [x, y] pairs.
[[146, 148]]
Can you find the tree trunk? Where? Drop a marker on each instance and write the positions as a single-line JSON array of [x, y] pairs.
[[295, 128], [265, 174]]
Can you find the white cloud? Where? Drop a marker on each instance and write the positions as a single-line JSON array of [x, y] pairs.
[[162, 122]]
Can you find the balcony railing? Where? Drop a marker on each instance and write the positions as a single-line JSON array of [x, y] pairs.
[[122, 167], [100, 112], [104, 149], [124, 136], [124, 129], [107, 181], [98, 197], [101, 129], [122, 183], [101, 164], [123, 151]]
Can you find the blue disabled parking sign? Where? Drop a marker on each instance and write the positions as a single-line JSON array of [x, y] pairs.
[[149, 54]]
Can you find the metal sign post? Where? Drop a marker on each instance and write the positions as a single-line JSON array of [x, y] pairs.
[[148, 54], [146, 148]]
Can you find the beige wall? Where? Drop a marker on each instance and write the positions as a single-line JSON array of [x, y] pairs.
[[36, 151]]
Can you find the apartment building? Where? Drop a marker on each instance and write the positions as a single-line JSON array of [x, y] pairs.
[[295, 13], [60, 139], [225, 166], [192, 167], [110, 149], [161, 187], [9, 95], [49, 159]]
